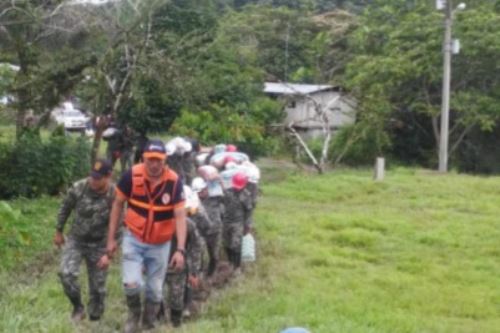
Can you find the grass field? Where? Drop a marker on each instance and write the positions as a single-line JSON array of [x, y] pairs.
[[337, 253]]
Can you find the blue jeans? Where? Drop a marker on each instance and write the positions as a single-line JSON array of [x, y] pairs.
[[153, 258]]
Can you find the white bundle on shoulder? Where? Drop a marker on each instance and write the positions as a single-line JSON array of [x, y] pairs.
[[181, 145], [252, 171], [215, 188], [208, 172], [248, 168], [220, 159], [201, 159], [220, 148], [226, 177]]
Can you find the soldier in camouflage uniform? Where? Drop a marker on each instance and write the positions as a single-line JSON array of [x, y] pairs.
[[179, 283], [188, 167], [253, 189], [209, 221], [237, 207], [174, 162], [90, 199], [127, 149], [182, 161]]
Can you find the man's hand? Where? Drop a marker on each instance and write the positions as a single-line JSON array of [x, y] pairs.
[[114, 218], [194, 281], [177, 262], [111, 246], [104, 262], [59, 239]]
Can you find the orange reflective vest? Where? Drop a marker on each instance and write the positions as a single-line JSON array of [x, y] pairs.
[[151, 217]]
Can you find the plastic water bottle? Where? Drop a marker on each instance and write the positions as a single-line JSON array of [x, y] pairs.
[[248, 248]]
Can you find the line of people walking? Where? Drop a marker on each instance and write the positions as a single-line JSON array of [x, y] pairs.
[[172, 214]]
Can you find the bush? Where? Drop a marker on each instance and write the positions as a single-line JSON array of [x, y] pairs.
[[30, 167], [246, 127], [360, 145], [315, 145]]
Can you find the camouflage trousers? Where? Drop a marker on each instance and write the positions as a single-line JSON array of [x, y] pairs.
[[212, 242], [177, 290], [74, 252], [232, 235]]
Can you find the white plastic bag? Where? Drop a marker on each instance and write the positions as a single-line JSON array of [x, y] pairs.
[[218, 160], [214, 188], [201, 158], [251, 170], [227, 177], [109, 132], [248, 248]]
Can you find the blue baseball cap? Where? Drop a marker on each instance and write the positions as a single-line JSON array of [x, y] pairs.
[[155, 149]]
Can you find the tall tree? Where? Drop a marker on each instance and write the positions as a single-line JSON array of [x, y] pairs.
[[127, 82], [397, 69], [45, 38]]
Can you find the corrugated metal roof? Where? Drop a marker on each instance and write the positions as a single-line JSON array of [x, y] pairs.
[[294, 88]]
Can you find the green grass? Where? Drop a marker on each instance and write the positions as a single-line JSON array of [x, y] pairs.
[[337, 253], [7, 133], [26, 230]]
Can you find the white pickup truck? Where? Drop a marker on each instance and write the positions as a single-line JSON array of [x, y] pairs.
[[72, 119]]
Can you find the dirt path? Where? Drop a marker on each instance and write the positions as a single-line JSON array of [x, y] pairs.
[[33, 300]]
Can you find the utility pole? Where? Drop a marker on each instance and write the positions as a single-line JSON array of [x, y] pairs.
[[287, 39], [445, 106]]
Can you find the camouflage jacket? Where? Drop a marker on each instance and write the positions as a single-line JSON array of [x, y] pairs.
[[254, 192], [214, 207], [91, 212], [237, 206], [194, 249], [187, 165]]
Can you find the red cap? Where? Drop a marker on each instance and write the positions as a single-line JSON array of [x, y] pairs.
[[231, 148], [239, 181]]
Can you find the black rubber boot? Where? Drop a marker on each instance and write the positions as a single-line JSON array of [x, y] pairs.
[[230, 257], [72, 291], [212, 265], [78, 313], [162, 315], [150, 314], [96, 307], [134, 314], [176, 317], [237, 259]]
